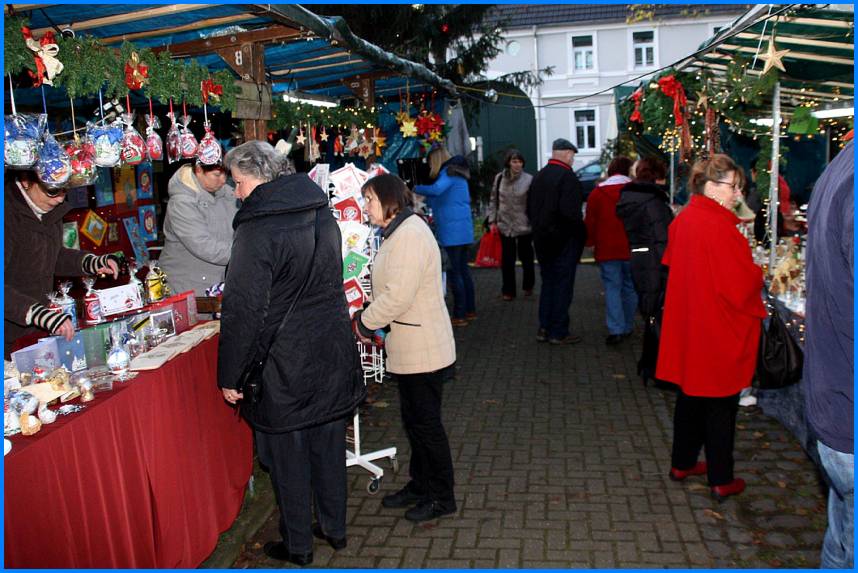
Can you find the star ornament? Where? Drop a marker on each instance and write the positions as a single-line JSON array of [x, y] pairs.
[[773, 58], [408, 128], [379, 139], [702, 99], [301, 139], [324, 135]]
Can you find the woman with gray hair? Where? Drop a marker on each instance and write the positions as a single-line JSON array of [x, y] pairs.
[[283, 304]]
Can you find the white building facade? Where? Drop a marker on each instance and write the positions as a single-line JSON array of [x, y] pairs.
[[590, 57]]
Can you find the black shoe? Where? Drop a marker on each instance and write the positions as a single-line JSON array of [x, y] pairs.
[[570, 339], [542, 335], [403, 498], [277, 550], [428, 510], [614, 339], [337, 544]]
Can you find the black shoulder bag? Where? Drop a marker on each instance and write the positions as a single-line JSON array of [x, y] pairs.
[[250, 384], [780, 359]]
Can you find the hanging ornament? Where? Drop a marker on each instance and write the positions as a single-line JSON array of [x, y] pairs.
[[133, 144], [352, 141], [211, 89], [324, 135], [301, 139], [108, 143], [379, 140], [174, 138], [81, 153], [45, 53], [672, 88], [314, 153], [702, 99], [136, 72], [364, 149], [53, 167], [187, 141], [338, 146], [637, 96], [408, 128], [23, 133], [209, 151], [773, 57]]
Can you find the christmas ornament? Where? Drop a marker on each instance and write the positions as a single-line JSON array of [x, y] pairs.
[[209, 151], [53, 167], [108, 143], [81, 152], [301, 139], [408, 128], [313, 149], [672, 88], [637, 96], [23, 133], [379, 140], [45, 53], [187, 141], [324, 135], [211, 89], [154, 143], [352, 141], [702, 99], [174, 146], [339, 146], [773, 58], [136, 72], [133, 144]]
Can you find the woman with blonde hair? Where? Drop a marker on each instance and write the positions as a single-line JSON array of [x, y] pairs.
[[450, 201], [711, 325]]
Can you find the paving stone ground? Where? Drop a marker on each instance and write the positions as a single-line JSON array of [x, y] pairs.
[[561, 458]]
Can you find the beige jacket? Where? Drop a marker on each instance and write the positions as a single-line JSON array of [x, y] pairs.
[[407, 295]]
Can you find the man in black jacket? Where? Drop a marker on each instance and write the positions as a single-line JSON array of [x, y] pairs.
[[554, 208]]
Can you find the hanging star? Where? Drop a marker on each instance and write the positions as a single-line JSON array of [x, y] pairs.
[[402, 117], [324, 135], [379, 139], [301, 139], [365, 149], [702, 99], [773, 58], [408, 128]]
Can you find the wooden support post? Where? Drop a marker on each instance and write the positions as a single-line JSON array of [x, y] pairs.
[[248, 60], [363, 87]]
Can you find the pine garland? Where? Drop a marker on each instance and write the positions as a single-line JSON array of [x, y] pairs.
[[292, 114]]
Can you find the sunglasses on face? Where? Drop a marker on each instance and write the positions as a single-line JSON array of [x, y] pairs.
[[53, 193]]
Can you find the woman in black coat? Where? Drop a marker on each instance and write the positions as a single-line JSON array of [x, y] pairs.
[[644, 209], [285, 236]]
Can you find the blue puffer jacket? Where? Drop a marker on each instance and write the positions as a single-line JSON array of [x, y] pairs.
[[450, 201]]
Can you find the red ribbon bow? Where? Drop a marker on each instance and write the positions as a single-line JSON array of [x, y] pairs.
[[671, 87], [136, 72], [47, 40], [211, 88], [636, 114]]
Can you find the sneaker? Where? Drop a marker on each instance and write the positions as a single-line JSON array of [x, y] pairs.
[[614, 339], [337, 544], [277, 550], [722, 492], [678, 475], [569, 339], [749, 400], [428, 510], [403, 498], [542, 335]]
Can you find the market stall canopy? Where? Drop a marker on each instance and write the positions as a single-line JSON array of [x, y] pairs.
[[302, 51], [819, 45]]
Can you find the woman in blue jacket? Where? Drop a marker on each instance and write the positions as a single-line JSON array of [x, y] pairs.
[[450, 201]]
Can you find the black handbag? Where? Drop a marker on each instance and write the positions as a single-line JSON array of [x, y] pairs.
[[779, 359], [250, 383]]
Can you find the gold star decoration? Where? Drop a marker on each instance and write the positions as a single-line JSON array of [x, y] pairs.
[[365, 149], [324, 135], [702, 99], [408, 128], [379, 139], [773, 58], [301, 139], [402, 116]]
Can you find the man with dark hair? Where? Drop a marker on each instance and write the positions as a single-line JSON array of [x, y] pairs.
[[554, 209], [828, 360]]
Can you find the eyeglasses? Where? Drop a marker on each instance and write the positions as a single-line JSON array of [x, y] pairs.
[[735, 186]]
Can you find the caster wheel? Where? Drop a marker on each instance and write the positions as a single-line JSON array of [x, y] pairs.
[[395, 463], [373, 486]]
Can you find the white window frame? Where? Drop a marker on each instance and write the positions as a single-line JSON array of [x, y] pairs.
[[572, 72], [573, 125], [631, 37]]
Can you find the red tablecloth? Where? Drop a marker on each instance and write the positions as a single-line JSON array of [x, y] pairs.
[[148, 475]]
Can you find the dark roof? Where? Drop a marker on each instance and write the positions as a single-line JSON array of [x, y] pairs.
[[522, 15]]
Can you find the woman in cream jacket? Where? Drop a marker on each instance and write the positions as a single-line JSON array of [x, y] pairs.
[[421, 351]]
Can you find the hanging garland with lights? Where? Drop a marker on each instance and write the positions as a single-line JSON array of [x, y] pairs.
[[88, 66], [289, 114]]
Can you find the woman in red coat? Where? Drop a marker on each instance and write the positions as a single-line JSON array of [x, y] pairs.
[[711, 327]]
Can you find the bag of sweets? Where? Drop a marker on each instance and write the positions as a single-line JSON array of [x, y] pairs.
[[81, 152], [154, 144], [209, 152], [174, 151], [23, 133]]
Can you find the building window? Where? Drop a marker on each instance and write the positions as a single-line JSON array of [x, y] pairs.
[[513, 48], [585, 129], [644, 49], [582, 53]]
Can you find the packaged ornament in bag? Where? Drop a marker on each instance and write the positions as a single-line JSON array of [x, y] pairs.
[[154, 144], [174, 148], [92, 313], [67, 304], [53, 167], [209, 152], [133, 144], [23, 133], [81, 153], [187, 141], [107, 140]]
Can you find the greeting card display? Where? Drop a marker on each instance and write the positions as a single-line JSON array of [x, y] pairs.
[[348, 181], [126, 190], [104, 187], [354, 265], [354, 235], [94, 228], [43, 354], [144, 181], [319, 174], [119, 299], [349, 210], [148, 223], [132, 229], [72, 354]]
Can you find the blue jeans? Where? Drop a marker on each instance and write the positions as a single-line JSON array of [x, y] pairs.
[[621, 300], [460, 281], [558, 283], [837, 548]]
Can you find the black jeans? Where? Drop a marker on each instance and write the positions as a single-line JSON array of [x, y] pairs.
[[431, 466], [523, 244], [709, 423], [558, 283], [307, 467]]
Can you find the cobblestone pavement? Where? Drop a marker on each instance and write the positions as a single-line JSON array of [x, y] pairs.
[[561, 459]]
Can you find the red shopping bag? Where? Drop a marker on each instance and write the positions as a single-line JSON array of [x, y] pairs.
[[489, 254]]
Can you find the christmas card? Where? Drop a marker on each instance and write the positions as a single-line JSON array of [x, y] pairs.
[[355, 296], [104, 187], [132, 228], [144, 181], [354, 265], [349, 210], [148, 223], [354, 236]]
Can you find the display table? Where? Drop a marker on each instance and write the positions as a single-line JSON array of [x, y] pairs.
[[147, 476]]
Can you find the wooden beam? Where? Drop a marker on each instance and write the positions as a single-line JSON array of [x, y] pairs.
[[374, 75], [178, 29], [784, 39], [822, 22], [18, 8], [795, 55], [363, 88], [125, 17], [274, 33], [319, 67]]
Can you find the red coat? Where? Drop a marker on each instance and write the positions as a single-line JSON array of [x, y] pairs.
[[713, 307], [605, 231]]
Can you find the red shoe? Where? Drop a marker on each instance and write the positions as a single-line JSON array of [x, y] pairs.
[[679, 475], [735, 487], [471, 316], [458, 322]]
